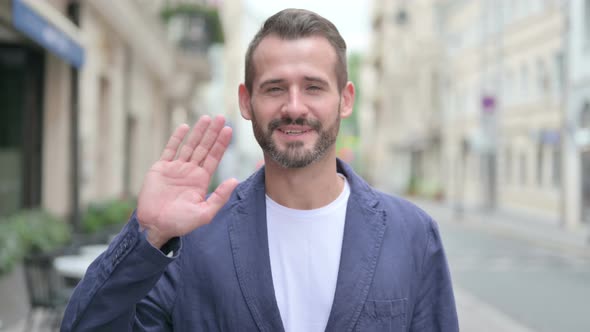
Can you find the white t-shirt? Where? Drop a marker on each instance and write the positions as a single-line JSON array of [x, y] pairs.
[[304, 247]]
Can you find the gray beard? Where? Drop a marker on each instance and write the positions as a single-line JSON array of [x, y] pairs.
[[295, 156]]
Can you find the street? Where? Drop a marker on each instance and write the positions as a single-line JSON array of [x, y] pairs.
[[540, 289], [503, 282]]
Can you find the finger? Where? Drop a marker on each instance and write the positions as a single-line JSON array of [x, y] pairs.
[[209, 138], [218, 198], [194, 138], [174, 142], [216, 153]]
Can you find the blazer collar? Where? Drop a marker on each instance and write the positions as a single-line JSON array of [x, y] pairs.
[[364, 229], [363, 234], [249, 245]]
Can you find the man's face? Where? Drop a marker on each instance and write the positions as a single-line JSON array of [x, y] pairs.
[[295, 153], [295, 104]]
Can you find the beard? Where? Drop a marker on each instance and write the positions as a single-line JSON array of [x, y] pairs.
[[295, 155]]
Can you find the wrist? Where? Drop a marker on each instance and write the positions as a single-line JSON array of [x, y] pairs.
[[155, 239]]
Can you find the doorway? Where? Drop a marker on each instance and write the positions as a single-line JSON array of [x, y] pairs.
[[21, 82]]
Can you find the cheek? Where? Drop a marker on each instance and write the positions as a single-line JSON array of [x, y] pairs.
[[267, 105]]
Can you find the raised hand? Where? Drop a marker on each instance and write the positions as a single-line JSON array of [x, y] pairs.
[[172, 198]]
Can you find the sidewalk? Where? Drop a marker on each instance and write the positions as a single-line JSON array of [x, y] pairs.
[[477, 316], [534, 230], [474, 314]]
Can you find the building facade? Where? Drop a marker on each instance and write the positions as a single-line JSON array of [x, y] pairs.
[[576, 171], [486, 100], [41, 50], [400, 118], [89, 108], [505, 102]]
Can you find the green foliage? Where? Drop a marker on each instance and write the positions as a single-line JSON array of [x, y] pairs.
[[211, 16], [103, 215], [413, 185], [11, 249], [427, 188], [30, 232]]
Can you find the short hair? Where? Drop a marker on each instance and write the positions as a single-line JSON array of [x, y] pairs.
[[291, 24]]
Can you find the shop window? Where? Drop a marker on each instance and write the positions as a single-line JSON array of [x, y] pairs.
[[21, 74]]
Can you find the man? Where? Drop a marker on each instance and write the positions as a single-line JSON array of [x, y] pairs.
[[304, 244]]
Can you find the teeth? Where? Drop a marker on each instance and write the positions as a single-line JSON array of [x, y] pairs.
[[293, 132]]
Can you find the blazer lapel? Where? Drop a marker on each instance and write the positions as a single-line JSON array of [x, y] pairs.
[[249, 245], [363, 235]]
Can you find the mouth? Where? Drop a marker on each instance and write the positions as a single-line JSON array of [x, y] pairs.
[[293, 132]]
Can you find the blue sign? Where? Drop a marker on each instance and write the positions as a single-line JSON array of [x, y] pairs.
[[550, 137], [36, 27]]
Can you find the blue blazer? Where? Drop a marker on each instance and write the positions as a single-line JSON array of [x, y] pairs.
[[393, 274]]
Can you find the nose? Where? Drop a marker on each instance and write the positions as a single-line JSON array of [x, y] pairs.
[[295, 106]]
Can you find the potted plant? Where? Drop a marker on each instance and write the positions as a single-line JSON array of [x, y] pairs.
[[28, 233], [102, 219], [32, 238]]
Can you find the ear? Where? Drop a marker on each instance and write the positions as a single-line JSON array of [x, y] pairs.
[[347, 100], [244, 99]]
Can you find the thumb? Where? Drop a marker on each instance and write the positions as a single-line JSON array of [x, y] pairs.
[[220, 196]]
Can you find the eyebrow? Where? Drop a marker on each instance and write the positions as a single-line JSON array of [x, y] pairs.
[[271, 81], [315, 79], [280, 80]]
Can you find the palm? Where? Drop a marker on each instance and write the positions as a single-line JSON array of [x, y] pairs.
[[175, 190], [172, 199]]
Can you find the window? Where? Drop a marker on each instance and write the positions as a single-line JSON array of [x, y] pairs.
[[508, 87], [540, 165], [524, 78], [523, 168], [559, 74], [586, 23], [585, 116], [21, 72], [507, 165], [542, 79], [556, 166]]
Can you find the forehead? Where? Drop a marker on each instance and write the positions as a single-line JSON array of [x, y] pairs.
[[277, 58]]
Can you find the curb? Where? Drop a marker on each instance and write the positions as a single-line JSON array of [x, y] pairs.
[[557, 239]]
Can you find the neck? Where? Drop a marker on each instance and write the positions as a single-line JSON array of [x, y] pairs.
[[305, 188]]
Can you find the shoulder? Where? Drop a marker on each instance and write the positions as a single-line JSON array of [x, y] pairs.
[[398, 212], [405, 220], [402, 209]]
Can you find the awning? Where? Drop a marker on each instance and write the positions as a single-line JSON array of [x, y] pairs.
[[47, 26]]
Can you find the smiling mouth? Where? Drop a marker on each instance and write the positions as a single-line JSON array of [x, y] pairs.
[[293, 132]]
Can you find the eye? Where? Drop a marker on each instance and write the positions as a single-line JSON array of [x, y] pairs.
[[313, 88], [273, 89]]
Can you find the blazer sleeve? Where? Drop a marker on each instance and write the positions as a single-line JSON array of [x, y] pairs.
[[130, 287], [435, 308]]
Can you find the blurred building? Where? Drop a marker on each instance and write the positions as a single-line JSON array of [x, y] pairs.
[[90, 92], [239, 23], [505, 99], [576, 173], [41, 52], [483, 102], [401, 118]]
